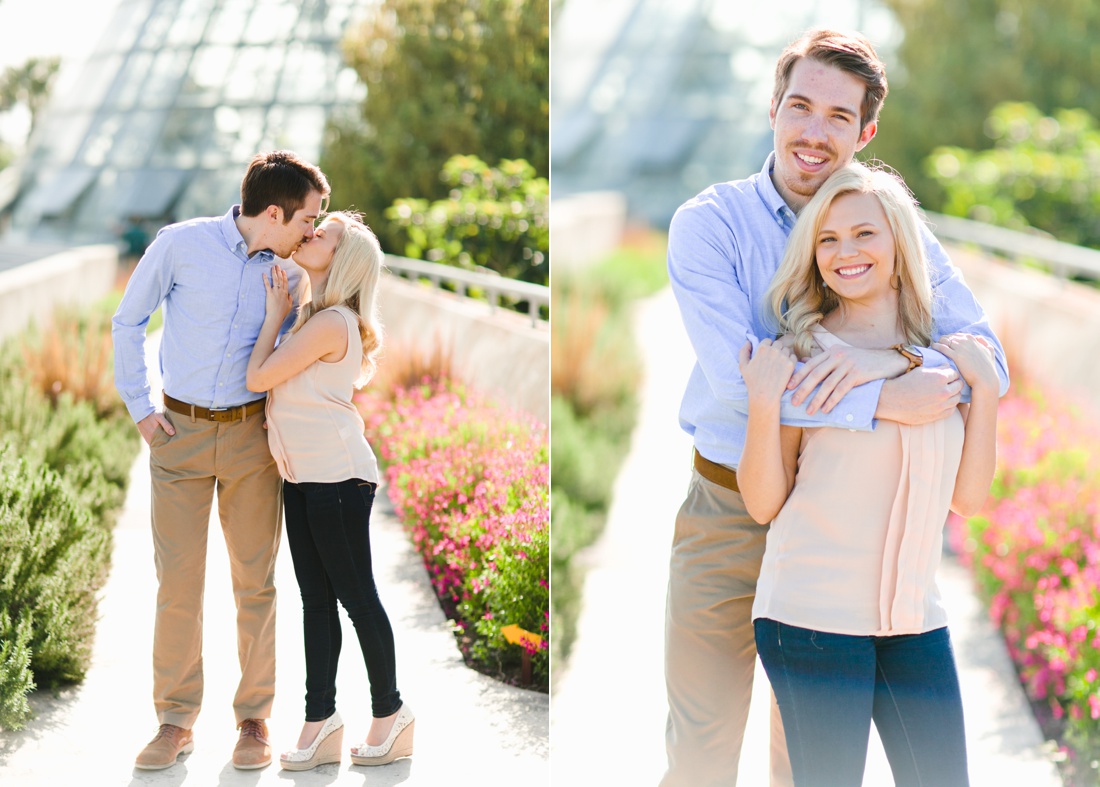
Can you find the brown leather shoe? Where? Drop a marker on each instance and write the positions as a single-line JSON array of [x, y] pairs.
[[253, 749], [168, 744]]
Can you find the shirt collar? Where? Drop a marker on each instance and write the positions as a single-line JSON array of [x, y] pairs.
[[234, 239], [776, 205]]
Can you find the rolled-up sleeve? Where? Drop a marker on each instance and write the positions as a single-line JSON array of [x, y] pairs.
[[146, 290]]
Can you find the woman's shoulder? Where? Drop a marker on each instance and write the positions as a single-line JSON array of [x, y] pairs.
[[339, 314]]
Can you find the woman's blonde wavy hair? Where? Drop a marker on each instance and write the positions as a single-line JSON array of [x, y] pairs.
[[352, 281], [798, 295]]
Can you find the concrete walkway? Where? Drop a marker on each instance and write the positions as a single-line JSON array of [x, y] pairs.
[[608, 704], [469, 728]]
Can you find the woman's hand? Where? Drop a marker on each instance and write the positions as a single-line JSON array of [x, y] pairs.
[[974, 358], [279, 302], [768, 370]]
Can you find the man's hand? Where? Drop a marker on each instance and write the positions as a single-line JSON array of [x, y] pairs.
[[923, 395], [840, 369], [149, 424]]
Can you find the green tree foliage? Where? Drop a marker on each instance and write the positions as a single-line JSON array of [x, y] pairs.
[[1043, 172], [494, 217], [28, 84], [960, 59], [443, 77]]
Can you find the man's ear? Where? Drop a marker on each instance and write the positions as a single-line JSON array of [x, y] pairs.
[[771, 114], [866, 135], [274, 213]]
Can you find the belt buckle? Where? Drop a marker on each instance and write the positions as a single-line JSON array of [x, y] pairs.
[[211, 410]]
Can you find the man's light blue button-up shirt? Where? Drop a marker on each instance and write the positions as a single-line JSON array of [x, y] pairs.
[[214, 304], [724, 247]]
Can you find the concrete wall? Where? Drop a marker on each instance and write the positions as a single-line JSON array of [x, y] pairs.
[[499, 353], [32, 291], [1050, 329], [585, 227]]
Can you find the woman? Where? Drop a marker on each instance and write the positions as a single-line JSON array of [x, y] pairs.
[[848, 621], [330, 477]]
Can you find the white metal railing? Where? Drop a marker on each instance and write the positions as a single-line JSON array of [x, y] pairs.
[[1065, 259], [494, 286]]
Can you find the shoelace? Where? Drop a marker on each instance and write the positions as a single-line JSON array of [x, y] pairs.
[[165, 731], [253, 727]]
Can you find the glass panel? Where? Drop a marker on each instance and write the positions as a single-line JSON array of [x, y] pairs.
[[189, 23], [59, 138], [349, 87], [254, 75], [305, 73], [230, 23], [150, 193], [210, 194], [126, 24], [85, 87], [161, 18], [163, 85], [187, 132], [128, 86], [271, 22], [98, 208], [208, 72], [135, 139], [100, 139], [301, 131]]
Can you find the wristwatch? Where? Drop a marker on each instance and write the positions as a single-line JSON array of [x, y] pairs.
[[911, 354]]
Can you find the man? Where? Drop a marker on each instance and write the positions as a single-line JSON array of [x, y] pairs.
[[208, 274], [724, 247]]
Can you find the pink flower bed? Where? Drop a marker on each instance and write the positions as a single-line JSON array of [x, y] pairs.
[[471, 483], [1035, 551]]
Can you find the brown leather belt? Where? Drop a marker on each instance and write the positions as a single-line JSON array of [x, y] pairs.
[[220, 414], [716, 473]]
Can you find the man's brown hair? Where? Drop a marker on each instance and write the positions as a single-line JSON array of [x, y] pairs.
[[280, 178], [849, 52]]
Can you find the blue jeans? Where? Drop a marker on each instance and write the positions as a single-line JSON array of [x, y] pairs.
[[328, 530], [830, 686]]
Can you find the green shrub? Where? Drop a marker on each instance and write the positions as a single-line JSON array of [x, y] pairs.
[[1043, 172], [93, 455], [16, 679], [53, 559], [65, 458], [516, 593], [495, 218]]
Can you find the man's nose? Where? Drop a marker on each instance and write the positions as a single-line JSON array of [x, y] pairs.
[[814, 130]]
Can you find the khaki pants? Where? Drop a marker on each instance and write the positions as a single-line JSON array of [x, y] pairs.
[[186, 468], [710, 650]]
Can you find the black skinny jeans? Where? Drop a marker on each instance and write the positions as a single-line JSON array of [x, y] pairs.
[[328, 528]]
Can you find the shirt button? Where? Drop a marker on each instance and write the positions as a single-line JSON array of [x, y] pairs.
[[849, 418]]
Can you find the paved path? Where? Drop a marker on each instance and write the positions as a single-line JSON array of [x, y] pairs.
[[469, 728], [608, 705]]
